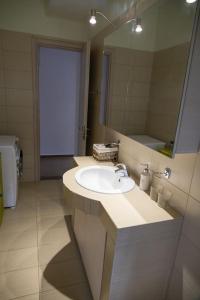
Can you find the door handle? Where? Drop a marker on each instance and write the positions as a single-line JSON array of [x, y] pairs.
[[85, 132]]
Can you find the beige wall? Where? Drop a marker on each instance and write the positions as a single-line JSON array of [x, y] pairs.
[[129, 88], [168, 73], [16, 93], [145, 90], [30, 16]]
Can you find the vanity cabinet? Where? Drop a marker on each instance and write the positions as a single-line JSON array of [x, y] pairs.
[[127, 242], [136, 264], [91, 238]]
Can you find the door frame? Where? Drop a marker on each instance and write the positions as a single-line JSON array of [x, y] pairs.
[[38, 42]]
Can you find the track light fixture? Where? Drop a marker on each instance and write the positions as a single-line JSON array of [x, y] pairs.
[[93, 15]]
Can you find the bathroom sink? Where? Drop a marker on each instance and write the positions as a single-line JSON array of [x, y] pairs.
[[103, 179]]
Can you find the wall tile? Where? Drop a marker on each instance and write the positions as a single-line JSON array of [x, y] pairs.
[[20, 114], [18, 97], [178, 200], [28, 160], [141, 74], [182, 168], [19, 61], [2, 97], [1, 38], [16, 41], [1, 59], [20, 130], [18, 79], [142, 58], [3, 115], [122, 56], [27, 145], [120, 72], [3, 128], [2, 81]]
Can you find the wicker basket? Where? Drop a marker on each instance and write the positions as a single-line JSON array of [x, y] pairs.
[[111, 154]]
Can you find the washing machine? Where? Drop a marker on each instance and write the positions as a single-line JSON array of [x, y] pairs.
[[11, 157]]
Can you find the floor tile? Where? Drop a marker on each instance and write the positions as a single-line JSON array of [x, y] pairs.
[[22, 210], [52, 188], [17, 224], [40, 218], [18, 240], [54, 236], [51, 254], [75, 292], [18, 283], [50, 207], [46, 223], [18, 259], [29, 297], [61, 275]]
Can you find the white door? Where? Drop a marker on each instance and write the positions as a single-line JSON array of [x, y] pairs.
[[63, 93]]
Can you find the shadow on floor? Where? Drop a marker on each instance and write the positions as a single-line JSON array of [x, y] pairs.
[[53, 167], [65, 272]]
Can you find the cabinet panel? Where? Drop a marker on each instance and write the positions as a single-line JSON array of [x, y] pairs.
[[91, 237]]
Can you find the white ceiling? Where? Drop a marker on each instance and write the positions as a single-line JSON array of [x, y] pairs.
[[77, 10]]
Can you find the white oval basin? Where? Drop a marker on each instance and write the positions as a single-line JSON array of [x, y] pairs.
[[103, 179]]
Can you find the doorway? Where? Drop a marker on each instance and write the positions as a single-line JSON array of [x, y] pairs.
[[61, 112]]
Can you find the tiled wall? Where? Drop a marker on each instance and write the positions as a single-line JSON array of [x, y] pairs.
[[145, 90], [168, 72], [184, 185], [16, 94], [130, 75]]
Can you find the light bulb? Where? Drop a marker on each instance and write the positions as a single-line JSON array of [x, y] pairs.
[[190, 1], [138, 28], [93, 20]]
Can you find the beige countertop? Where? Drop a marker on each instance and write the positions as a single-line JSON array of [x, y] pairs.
[[124, 210]]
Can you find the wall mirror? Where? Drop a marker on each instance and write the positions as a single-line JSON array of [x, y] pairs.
[[143, 74]]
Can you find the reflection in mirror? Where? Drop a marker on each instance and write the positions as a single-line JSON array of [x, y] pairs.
[[143, 74]]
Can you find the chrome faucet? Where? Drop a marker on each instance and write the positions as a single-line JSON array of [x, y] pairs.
[[121, 170]]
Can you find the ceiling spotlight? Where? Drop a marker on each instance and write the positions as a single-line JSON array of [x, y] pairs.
[[93, 19], [93, 15], [137, 26], [190, 1]]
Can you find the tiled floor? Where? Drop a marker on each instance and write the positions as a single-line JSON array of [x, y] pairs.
[[39, 259]]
